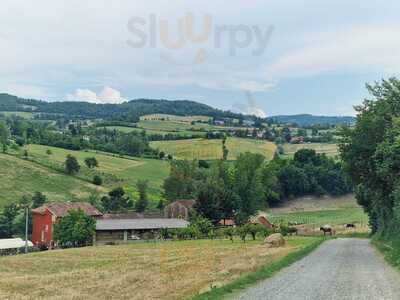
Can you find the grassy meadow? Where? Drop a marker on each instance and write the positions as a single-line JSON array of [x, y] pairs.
[[167, 270], [328, 149], [212, 149], [312, 213], [20, 177], [123, 171], [125, 129]]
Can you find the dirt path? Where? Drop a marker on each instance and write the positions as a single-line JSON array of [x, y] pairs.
[[339, 269]]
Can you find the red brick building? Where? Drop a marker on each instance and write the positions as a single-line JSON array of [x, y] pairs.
[[44, 217]]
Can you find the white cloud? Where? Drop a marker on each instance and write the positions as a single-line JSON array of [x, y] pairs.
[[360, 50], [107, 95]]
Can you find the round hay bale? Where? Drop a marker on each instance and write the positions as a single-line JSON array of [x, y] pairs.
[[274, 240]]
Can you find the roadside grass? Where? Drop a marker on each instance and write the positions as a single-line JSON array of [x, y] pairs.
[[167, 270], [390, 249], [20, 177], [212, 149], [115, 170], [328, 149], [262, 273]]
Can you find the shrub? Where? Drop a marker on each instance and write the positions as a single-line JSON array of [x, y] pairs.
[[97, 180]]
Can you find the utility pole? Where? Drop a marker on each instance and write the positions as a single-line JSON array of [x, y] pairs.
[[26, 227]]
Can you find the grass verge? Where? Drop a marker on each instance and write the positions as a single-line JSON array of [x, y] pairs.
[[264, 272], [390, 250]]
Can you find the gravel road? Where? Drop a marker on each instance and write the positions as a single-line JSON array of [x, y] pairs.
[[339, 269]]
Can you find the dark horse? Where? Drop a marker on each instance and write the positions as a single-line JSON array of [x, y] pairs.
[[350, 226], [326, 230]]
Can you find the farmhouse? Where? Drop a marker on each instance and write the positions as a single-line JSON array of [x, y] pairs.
[[179, 209], [44, 217], [122, 230]]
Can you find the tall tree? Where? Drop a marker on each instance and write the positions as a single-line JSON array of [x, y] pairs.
[[371, 154], [142, 203], [71, 165]]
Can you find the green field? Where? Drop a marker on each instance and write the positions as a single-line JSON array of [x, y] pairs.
[[328, 149], [212, 149], [127, 170], [22, 114], [125, 129], [313, 212], [20, 177], [162, 270]]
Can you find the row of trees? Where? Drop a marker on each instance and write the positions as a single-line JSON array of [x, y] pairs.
[[371, 155], [237, 190]]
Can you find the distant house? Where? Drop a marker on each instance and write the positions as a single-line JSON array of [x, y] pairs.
[[44, 218], [179, 209], [12, 246], [122, 230]]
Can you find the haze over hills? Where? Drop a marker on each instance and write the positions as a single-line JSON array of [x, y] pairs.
[[308, 119], [130, 111]]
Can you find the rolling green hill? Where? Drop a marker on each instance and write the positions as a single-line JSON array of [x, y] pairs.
[[121, 171], [212, 149], [20, 177]]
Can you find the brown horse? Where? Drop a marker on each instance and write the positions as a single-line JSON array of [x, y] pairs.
[[326, 229]]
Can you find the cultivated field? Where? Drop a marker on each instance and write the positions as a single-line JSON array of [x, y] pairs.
[[328, 149], [126, 170], [20, 177], [212, 149], [166, 270]]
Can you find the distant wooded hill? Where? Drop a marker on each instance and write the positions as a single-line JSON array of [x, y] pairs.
[[128, 111], [131, 111], [308, 120]]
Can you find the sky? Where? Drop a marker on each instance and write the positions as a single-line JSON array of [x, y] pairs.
[[259, 57]]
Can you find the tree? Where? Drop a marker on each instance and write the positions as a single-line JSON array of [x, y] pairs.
[[7, 217], [71, 165], [91, 162], [142, 203], [181, 183], [97, 180], [371, 152], [38, 199], [75, 230], [4, 136], [247, 185], [116, 201], [49, 152], [225, 150]]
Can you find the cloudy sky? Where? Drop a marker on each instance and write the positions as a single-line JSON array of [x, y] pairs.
[[273, 57]]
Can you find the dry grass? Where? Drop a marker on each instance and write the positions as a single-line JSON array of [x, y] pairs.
[[170, 270]]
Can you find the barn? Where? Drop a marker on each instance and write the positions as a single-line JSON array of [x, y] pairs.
[[179, 209], [44, 218], [123, 230]]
